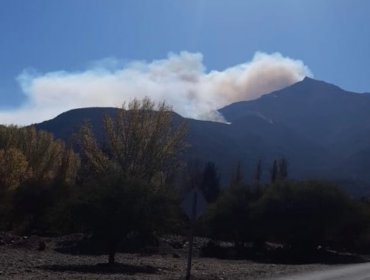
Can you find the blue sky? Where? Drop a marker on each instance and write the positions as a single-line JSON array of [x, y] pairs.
[[331, 37]]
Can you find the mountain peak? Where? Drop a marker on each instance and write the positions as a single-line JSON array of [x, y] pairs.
[[309, 84], [302, 98]]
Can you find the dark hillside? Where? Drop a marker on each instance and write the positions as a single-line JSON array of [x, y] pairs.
[[321, 129]]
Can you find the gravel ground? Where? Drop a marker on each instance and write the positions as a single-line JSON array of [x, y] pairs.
[[25, 261]]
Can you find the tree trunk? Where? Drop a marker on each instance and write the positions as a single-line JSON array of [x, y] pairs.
[[111, 259], [112, 247]]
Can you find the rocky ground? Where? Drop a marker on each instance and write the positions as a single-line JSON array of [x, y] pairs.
[[36, 258]]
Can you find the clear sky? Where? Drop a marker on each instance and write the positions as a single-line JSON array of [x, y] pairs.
[[331, 37]]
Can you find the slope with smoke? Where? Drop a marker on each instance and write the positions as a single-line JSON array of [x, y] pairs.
[[180, 80]]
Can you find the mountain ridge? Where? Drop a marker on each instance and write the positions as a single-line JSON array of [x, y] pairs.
[[321, 129]]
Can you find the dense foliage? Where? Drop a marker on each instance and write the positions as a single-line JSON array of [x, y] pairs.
[[126, 184], [300, 216], [33, 169], [26, 153]]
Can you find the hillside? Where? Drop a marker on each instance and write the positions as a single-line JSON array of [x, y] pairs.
[[322, 130]]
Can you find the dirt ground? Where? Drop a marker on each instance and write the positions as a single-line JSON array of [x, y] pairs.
[[22, 259], [32, 264]]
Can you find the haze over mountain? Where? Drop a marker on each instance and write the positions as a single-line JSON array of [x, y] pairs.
[[322, 130]]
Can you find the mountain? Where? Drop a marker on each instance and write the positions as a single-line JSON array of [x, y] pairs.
[[322, 130], [335, 121]]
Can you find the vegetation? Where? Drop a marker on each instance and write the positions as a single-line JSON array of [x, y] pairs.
[[141, 142], [32, 165], [202, 176], [117, 210], [305, 215], [300, 216], [130, 171], [123, 186], [231, 218], [30, 154], [279, 171]]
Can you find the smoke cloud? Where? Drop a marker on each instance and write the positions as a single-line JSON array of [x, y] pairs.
[[181, 80]]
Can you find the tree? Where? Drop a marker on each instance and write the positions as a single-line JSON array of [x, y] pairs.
[[14, 168], [210, 184], [34, 167], [130, 168], [231, 217], [279, 171], [47, 158], [258, 174], [283, 169], [116, 209], [274, 172], [142, 141], [237, 178], [305, 215]]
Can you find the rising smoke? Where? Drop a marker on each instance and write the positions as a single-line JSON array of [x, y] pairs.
[[181, 80]]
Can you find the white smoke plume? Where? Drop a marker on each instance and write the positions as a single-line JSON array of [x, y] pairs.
[[181, 80]]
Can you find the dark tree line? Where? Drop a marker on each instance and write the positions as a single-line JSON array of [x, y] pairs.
[[301, 216]]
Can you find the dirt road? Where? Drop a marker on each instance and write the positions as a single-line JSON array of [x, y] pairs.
[[343, 272]]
